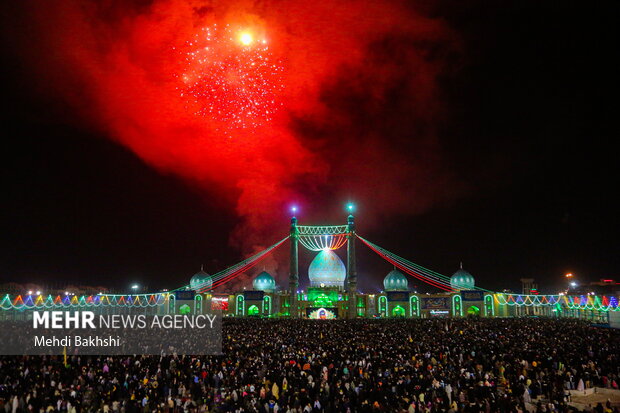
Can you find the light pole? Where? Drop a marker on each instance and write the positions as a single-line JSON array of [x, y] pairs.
[[351, 262], [293, 279]]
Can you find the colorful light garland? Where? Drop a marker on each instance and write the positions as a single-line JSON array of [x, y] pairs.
[[323, 241], [428, 276], [314, 238], [580, 302], [232, 272], [99, 300], [408, 267], [322, 229]]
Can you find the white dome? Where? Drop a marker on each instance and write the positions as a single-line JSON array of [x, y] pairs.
[[327, 270]]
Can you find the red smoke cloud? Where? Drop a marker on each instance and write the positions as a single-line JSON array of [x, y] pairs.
[[360, 100]]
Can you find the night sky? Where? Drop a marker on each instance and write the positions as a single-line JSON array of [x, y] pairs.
[[480, 132]]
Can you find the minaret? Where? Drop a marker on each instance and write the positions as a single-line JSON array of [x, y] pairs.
[[351, 267], [293, 280]]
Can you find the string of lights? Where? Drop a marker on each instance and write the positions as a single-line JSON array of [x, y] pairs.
[[230, 273], [323, 242]]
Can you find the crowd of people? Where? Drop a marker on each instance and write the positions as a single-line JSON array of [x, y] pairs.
[[453, 365]]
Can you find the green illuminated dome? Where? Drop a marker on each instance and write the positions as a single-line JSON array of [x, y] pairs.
[[200, 281], [327, 270], [264, 282], [395, 281], [462, 280]]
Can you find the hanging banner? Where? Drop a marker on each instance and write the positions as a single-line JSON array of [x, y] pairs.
[[435, 303], [472, 295]]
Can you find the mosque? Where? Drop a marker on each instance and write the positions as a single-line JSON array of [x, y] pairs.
[[331, 290], [326, 297]]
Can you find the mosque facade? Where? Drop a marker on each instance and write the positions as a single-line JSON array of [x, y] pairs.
[[326, 296], [330, 292]]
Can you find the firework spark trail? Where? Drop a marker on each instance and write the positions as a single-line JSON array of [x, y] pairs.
[[230, 77]]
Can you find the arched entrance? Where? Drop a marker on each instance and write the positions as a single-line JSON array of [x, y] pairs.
[[398, 311], [253, 310], [383, 306], [473, 311], [185, 309]]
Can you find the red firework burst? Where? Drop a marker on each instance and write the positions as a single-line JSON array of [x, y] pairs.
[[231, 77]]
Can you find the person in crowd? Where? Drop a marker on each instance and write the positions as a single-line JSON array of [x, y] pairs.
[[286, 366]]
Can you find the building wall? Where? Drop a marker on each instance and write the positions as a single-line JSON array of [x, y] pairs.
[[596, 309]]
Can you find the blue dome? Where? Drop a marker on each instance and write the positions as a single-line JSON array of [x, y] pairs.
[[264, 282], [201, 281], [462, 280], [327, 270], [395, 281]]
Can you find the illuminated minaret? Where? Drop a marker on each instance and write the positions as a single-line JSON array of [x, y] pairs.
[[293, 280], [351, 267]]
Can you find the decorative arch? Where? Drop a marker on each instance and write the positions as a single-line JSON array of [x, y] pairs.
[[267, 305], [457, 306], [414, 306], [383, 306], [240, 305], [253, 310], [185, 309]]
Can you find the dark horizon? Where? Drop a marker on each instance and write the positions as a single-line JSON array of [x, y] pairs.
[[513, 174]]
